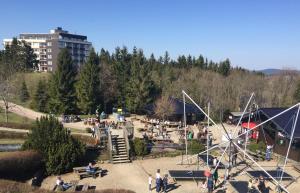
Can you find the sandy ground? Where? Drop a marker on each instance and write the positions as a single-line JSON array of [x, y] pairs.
[[134, 176]]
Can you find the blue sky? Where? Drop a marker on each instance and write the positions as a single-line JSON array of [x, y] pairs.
[[253, 34]]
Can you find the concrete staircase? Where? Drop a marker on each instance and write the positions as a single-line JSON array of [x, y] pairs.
[[119, 153]]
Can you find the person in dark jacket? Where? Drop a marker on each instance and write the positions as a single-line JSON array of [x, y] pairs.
[[165, 183]]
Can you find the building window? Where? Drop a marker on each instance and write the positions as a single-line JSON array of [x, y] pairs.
[[49, 50], [49, 43], [50, 63], [49, 56]]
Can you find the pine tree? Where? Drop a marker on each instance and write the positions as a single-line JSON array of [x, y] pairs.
[[88, 89], [41, 97], [140, 89], [62, 85], [24, 94]]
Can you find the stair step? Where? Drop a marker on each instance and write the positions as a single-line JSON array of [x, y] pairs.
[[122, 161], [118, 156]]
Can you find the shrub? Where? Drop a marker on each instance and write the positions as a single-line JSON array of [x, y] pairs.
[[194, 146], [260, 146], [88, 130], [19, 165], [140, 147], [85, 139], [12, 135], [60, 151]]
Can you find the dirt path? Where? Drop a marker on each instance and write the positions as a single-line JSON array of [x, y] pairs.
[[31, 114]]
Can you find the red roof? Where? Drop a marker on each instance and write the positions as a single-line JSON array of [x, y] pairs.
[[248, 126]]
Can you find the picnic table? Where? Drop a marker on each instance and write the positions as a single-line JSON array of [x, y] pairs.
[[81, 172]]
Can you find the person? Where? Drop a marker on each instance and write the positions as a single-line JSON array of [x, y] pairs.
[[91, 170], [150, 182], [250, 186], [93, 131], [165, 183], [215, 177], [157, 175], [203, 186], [215, 162], [61, 186], [268, 152], [210, 184], [261, 184], [157, 182]]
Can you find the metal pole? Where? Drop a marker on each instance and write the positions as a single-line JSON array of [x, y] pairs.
[[291, 140], [207, 143], [201, 110], [235, 129], [270, 119], [246, 137], [261, 167], [211, 148], [184, 120]]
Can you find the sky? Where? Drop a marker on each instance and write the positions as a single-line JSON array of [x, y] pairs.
[[253, 34]]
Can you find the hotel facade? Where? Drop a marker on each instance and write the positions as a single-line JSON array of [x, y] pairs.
[[47, 46]]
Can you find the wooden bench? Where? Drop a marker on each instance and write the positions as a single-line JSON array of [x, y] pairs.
[[81, 169], [87, 174], [74, 184]]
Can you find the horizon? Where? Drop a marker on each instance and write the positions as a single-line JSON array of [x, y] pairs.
[[253, 35]]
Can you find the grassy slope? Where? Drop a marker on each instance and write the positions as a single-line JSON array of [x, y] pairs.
[[31, 80], [14, 118]]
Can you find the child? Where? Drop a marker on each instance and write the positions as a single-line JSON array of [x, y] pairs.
[[165, 183], [150, 182]]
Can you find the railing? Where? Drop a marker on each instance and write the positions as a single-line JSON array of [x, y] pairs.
[[125, 135], [109, 147]]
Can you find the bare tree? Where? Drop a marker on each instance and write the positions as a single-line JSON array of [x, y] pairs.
[[164, 107]]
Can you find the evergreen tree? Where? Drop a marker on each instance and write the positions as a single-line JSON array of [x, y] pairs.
[[24, 94], [140, 88], [41, 97], [224, 68], [88, 89], [62, 85], [166, 58], [60, 151]]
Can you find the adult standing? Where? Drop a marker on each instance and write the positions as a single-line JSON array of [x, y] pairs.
[[268, 152], [261, 184], [210, 184], [215, 177], [158, 180]]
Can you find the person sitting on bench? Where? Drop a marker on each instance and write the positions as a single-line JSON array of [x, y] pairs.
[[91, 170], [61, 186]]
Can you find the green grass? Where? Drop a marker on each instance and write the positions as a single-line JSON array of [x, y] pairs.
[[31, 79], [14, 118], [12, 141]]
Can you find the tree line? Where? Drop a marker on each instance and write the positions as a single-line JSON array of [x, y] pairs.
[[132, 80]]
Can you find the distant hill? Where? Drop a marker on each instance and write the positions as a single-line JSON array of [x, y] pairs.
[[274, 71]]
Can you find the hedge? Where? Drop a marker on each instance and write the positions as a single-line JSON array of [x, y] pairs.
[[19, 165]]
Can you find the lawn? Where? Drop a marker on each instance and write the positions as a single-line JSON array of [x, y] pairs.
[[14, 118], [12, 141], [31, 79]]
